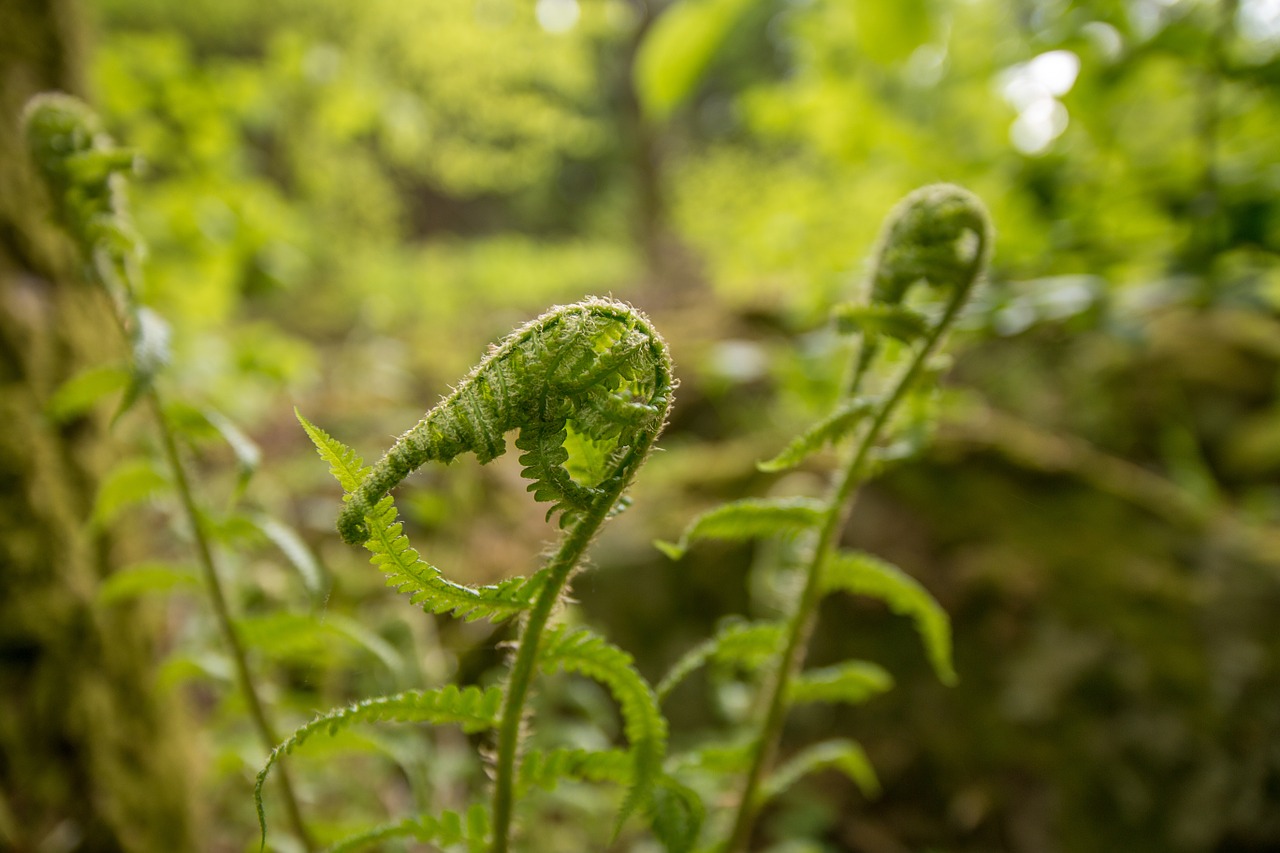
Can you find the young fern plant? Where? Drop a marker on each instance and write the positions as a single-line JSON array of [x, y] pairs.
[[85, 175], [593, 376], [940, 236]]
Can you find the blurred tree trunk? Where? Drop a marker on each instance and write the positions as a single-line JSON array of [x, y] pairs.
[[89, 756]]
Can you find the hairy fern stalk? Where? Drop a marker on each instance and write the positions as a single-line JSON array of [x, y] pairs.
[[939, 236], [85, 174], [594, 374]]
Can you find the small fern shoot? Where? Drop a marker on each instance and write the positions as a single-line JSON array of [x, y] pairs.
[[85, 174], [938, 236]]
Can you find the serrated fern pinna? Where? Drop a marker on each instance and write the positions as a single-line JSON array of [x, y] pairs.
[[596, 375]]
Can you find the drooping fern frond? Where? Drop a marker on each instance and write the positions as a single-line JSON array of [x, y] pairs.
[[751, 518], [851, 682], [446, 830], [830, 429], [746, 644], [585, 653], [859, 573], [841, 754], [469, 707], [595, 366]]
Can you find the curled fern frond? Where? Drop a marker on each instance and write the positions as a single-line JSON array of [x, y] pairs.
[[843, 755], [851, 682], [747, 644], [585, 653], [940, 234], [597, 366], [470, 707], [83, 169], [862, 574], [751, 518]]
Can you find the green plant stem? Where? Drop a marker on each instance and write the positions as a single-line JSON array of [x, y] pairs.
[[522, 669], [222, 614], [120, 293], [803, 619]]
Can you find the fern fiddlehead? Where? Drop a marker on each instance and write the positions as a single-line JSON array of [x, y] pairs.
[[84, 172], [939, 236], [596, 369]]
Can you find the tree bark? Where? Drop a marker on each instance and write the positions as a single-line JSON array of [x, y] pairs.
[[90, 755]]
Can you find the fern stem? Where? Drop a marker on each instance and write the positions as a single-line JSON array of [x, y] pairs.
[[559, 570], [803, 619], [222, 615], [85, 174]]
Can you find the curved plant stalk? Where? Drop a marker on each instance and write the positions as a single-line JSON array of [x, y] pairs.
[[85, 174], [941, 235], [596, 369]]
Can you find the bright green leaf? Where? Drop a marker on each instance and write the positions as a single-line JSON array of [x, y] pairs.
[[678, 50]]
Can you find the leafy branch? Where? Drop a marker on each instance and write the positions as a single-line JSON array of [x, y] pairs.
[[85, 173]]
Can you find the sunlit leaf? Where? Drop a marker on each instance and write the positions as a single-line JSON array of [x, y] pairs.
[[679, 48]]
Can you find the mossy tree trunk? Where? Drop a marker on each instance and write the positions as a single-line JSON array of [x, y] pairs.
[[90, 759]]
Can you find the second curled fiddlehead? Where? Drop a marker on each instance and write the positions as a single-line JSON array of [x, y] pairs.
[[595, 367]]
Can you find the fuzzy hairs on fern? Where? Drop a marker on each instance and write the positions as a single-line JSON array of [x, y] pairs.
[[596, 366], [939, 234]]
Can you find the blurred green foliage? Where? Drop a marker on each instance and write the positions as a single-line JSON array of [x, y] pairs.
[[346, 201]]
